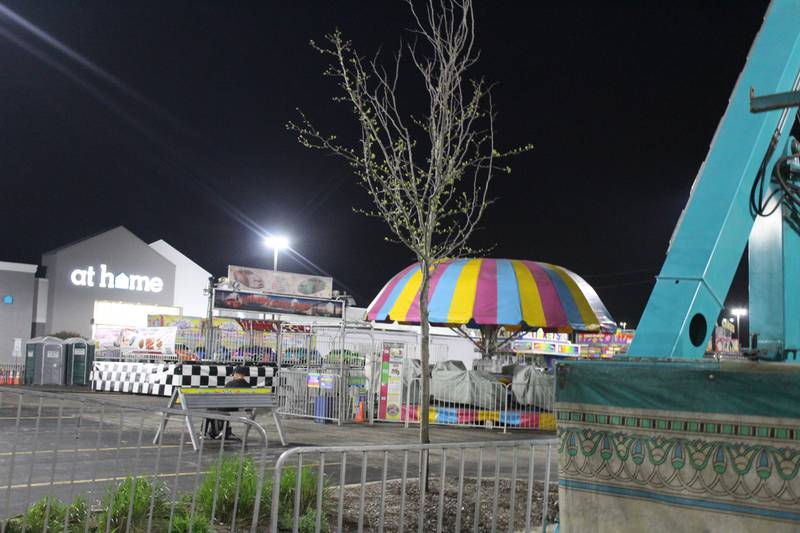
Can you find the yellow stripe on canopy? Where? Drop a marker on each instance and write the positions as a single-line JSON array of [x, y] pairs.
[[531, 302], [577, 294], [403, 303], [461, 307]]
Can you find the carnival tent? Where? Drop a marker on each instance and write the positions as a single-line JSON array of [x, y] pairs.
[[507, 293]]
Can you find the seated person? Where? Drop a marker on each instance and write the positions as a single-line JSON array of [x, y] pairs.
[[213, 428]]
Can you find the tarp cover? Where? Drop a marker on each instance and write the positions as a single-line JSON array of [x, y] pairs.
[[533, 387], [467, 387], [449, 365], [411, 371]]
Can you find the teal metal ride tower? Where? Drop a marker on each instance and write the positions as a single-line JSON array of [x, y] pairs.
[[718, 220]]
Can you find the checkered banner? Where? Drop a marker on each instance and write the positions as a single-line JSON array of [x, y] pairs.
[[159, 379]]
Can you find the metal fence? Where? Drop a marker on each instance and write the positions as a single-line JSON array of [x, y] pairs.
[[328, 393], [77, 464], [482, 486], [489, 405], [458, 397], [11, 373], [321, 346]]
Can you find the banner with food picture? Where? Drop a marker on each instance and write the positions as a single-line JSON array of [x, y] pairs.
[[150, 340], [273, 303], [274, 282]]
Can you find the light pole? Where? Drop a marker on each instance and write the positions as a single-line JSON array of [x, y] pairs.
[[276, 243], [739, 312]]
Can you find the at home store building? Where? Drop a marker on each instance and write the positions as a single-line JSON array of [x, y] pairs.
[[100, 284]]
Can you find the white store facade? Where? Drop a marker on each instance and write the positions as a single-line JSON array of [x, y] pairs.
[[114, 280]]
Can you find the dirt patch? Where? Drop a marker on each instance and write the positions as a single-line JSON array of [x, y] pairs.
[[486, 515]]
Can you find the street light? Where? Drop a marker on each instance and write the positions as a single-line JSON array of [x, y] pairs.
[[276, 243], [739, 312]]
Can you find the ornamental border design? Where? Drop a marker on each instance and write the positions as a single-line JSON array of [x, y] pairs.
[[679, 425], [740, 472]]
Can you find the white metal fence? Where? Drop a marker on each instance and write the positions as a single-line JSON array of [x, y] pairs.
[[479, 486], [76, 464], [11, 373], [323, 393], [328, 377], [462, 398], [493, 405], [321, 346]]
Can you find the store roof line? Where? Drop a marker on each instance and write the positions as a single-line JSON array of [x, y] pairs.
[[161, 242], [87, 237], [28, 268]]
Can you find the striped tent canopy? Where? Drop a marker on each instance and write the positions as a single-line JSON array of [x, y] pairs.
[[497, 292]]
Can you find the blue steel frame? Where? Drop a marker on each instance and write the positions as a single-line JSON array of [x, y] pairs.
[[714, 228], [774, 279]]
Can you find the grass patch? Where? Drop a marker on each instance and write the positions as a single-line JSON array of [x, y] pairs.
[[308, 499], [38, 515], [134, 496], [126, 505], [182, 523], [230, 470]]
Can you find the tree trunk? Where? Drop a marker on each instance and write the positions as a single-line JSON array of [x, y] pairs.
[[425, 393]]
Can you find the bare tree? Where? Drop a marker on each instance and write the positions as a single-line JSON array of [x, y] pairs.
[[428, 175]]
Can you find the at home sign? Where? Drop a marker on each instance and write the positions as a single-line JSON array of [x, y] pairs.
[[109, 280]]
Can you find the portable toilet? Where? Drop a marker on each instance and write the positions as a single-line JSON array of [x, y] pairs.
[[30, 363], [78, 359], [47, 360]]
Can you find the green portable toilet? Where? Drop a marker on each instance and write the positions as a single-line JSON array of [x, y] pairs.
[[44, 361], [78, 356], [30, 363]]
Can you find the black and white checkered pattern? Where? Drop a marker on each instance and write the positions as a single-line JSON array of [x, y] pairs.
[[159, 379]]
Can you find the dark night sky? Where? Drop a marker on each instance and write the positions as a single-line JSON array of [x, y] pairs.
[[620, 100]]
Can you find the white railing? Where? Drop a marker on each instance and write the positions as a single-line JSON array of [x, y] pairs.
[[475, 486], [322, 393], [491, 405]]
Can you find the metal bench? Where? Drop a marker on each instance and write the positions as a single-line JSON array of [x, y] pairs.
[[196, 399]]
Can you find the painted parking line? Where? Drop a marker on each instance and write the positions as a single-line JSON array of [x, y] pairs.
[[38, 417], [187, 444], [98, 480], [119, 478], [84, 450]]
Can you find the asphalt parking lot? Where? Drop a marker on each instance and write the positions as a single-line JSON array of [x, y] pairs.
[[77, 442]]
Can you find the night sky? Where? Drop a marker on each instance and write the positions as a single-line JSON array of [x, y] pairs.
[[174, 128]]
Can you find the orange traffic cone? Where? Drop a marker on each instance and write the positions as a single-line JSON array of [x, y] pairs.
[[2, 377], [360, 413], [18, 380]]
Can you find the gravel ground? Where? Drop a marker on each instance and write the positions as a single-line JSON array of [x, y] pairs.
[[372, 499]]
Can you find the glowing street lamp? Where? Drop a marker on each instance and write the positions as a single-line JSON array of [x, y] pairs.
[[276, 243], [739, 312]]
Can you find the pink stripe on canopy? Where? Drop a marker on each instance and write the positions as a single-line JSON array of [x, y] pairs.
[[379, 301], [551, 304], [486, 293]]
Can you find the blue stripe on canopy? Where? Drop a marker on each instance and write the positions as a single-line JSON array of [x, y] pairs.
[[508, 303], [567, 301], [443, 295]]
